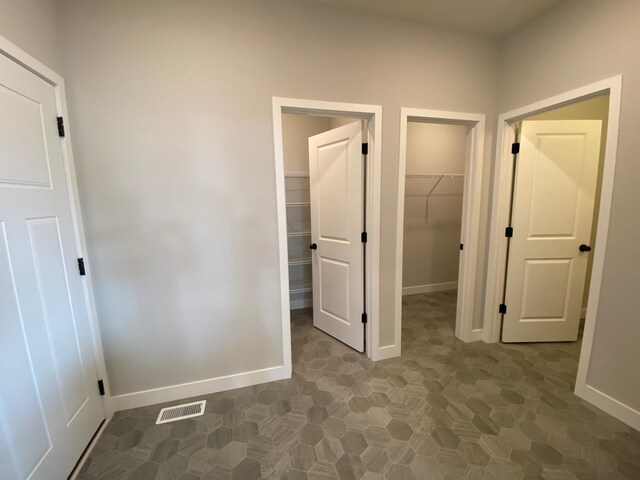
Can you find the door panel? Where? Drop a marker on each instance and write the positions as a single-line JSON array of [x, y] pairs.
[[49, 401], [554, 194], [335, 171]]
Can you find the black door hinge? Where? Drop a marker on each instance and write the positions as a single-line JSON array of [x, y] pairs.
[[365, 149], [81, 266], [515, 148], [462, 246], [61, 127], [502, 308], [101, 387], [508, 232], [364, 318], [363, 237]]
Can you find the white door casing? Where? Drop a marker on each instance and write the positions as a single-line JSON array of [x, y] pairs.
[[553, 202], [49, 401], [336, 181]]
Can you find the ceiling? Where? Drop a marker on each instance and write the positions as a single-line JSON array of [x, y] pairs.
[[490, 18]]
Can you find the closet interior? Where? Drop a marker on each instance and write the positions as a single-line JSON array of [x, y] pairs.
[[434, 184]]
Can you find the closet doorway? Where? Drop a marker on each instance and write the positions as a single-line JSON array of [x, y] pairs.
[[326, 159], [439, 207]]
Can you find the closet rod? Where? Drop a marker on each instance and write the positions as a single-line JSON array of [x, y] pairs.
[[444, 175]]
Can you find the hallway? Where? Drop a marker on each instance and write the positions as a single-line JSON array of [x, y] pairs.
[[444, 409]]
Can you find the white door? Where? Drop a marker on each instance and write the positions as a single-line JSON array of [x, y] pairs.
[[554, 193], [49, 400], [336, 180]]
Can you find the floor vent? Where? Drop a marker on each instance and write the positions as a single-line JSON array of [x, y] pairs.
[[179, 412]]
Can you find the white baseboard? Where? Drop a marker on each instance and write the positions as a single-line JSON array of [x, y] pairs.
[[610, 405], [201, 387], [433, 287], [299, 303], [385, 352]]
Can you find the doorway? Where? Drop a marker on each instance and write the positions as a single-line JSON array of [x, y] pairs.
[[500, 215], [556, 179], [334, 135], [439, 190], [324, 189]]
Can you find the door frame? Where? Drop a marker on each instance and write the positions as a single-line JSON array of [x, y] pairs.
[[22, 58], [472, 194], [372, 113], [502, 175]]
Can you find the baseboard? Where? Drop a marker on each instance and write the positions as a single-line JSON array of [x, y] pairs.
[[388, 351], [433, 287], [610, 405], [194, 389], [299, 303]]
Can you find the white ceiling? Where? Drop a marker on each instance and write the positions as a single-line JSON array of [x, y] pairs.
[[491, 18]]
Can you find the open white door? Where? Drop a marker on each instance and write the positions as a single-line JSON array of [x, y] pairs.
[[336, 180], [49, 401], [553, 202]]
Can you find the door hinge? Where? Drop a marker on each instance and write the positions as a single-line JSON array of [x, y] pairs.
[[515, 148], [81, 266], [61, 127], [462, 246], [363, 237], [508, 232], [365, 149], [364, 318], [101, 387], [502, 308]]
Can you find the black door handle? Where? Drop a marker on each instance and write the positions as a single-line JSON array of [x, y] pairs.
[[584, 248], [313, 246]]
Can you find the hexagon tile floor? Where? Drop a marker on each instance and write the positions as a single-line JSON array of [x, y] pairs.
[[444, 410]]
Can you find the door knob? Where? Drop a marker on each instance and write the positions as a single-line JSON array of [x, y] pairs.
[[584, 248], [313, 246]]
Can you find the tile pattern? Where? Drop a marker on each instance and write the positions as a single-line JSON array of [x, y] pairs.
[[444, 410]]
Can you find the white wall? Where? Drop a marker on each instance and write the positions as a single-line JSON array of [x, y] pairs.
[[33, 26], [171, 108], [432, 225], [580, 42]]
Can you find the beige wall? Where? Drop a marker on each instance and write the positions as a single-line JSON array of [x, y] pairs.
[[432, 225], [33, 26], [296, 130], [596, 108], [580, 42], [170, 103]]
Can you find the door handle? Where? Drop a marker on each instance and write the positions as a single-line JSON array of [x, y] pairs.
[[313, 246], [584, 248]]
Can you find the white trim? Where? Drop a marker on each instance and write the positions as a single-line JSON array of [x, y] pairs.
[[497, 254], [429, 288], [27, 61], [470, 214], [198, 388], [372, 113], [610, 405]]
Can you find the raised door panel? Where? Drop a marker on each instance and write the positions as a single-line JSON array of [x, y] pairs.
[[333, 191]]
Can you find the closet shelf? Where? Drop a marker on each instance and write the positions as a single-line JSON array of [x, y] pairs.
[[298, 204], [300, 260], [296, 175], [299, 234], [299, 286]]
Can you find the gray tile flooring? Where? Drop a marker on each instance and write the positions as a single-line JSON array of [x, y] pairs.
[[444, 410]]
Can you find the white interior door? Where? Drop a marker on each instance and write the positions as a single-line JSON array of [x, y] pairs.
[[336, 180], [49, 400], [554, 195]]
